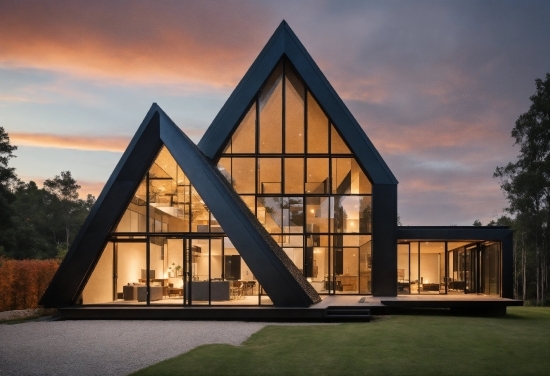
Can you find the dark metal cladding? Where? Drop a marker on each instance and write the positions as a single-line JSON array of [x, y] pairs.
[[284, 42], [273, 269], [281, 279], [455, 233], [384, 240], [88, 245]]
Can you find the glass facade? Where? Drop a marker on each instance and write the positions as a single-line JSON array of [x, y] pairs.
[[299, 178], [446, 267], [288, 162], [169, 249]]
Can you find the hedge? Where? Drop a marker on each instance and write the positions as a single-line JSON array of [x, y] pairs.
[[23, 282]]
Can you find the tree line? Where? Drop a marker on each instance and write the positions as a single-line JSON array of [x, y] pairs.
[[37, 223], [526, 186]]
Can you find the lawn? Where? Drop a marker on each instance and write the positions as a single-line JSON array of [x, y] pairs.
[[517, 344]]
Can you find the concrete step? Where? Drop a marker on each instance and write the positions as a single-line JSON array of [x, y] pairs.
[[347, 313]]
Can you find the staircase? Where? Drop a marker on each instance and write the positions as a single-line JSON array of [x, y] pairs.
[[347, 313]]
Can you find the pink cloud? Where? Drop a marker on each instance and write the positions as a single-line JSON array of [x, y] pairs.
[[144, 42], [104, 143]]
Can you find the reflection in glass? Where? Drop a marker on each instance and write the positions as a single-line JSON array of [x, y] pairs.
[[491, 268], [352, 214], [293, 215], [269, 175], [294, 175], [317, 127], [317, 175], [271, 113], [270, 213], [318, 214], [294, 112]]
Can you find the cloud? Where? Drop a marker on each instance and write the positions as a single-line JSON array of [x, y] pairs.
[[94, 143], [90, 187], [166, 42], [103, 143]]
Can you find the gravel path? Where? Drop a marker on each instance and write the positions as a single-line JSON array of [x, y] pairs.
[[107, 347]]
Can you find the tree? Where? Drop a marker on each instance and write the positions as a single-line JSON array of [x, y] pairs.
[[65, 205], [7, 179], [477, 223], [526, 185]]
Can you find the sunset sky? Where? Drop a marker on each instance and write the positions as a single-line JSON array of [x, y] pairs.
[[436, 85]]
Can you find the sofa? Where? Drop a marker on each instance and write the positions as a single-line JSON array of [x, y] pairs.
[[139, 292], [156, 293]]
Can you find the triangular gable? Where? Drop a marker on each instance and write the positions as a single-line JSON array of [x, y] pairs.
[[109, 207], [285, 43], [283, 282]]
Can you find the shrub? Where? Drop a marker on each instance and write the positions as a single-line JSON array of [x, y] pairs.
[[23, 282]]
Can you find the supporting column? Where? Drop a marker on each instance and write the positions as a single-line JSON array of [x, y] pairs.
[[384, 240], [507, 276]]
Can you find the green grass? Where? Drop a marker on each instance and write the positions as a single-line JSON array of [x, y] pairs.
[[517, 344]]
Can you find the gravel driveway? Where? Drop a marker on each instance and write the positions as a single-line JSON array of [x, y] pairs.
[[107, 347]]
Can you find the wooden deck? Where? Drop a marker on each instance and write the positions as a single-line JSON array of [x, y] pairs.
[[331, 308]]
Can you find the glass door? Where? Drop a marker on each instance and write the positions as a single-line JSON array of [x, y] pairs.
[[207, 270]]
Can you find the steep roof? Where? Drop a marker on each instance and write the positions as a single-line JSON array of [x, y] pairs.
[[284, 42], [277, 274]]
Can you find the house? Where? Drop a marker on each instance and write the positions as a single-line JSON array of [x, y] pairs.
[[284, 201]]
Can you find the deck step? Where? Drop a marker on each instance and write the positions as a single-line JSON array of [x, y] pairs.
[[347, 313]]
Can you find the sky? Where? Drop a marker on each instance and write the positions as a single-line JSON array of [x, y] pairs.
[[436, 85]]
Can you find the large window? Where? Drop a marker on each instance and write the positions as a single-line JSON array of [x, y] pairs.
[[168, 248], [300, 179], [439, 267]]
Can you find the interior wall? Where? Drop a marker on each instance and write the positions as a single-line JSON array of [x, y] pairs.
[[99, 288], [156, 262], [403, 261], [131, 259], [351, 261], [429, 267]]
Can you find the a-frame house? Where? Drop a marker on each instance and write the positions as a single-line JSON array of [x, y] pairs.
[[284, 200]]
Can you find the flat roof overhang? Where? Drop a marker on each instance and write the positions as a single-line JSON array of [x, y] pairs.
[[449, 233]]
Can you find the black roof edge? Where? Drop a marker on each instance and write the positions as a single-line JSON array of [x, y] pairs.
[[68, 280], [453, 232], [285, 42]]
